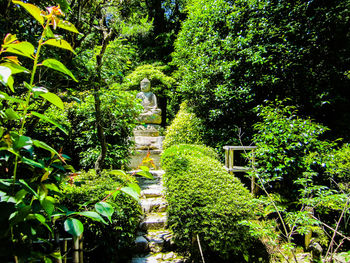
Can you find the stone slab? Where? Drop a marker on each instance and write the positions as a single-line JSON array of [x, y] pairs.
[[141, 244], [154, 221], [148, 142], [153, 192], [154, 205]]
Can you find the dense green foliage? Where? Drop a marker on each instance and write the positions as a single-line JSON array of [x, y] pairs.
[[119, 110], [339, 166], [31, 170], [107, 240], [205, 200], [288, 147], [185, 128], [302, 180], [232, 55]]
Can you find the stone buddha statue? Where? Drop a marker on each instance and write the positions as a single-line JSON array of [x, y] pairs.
[[151, 113]]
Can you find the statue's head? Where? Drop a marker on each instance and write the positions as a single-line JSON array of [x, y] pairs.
[[145, 85]]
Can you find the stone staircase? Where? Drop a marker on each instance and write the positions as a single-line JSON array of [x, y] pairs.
[[153, 243]]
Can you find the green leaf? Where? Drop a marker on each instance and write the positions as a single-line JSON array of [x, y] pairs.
[[33, 10], [105, 209], [19, 215], [20, 141], [53, 188], [11, 114], [92, 215], [131, 192], [56, 65], [32, 162], [47, 205], [73, 226], [37, 90], [54, 99], [20, 195], [10, 82], [25, 185], [145, 174], [61, 43], [22, 48], [144, 168], [67, 26], [45, 118], [43, 145], [15, 69], [64, 5], [117, 172]]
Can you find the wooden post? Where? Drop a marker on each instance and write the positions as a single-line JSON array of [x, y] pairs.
[[57, 244], [253, 187], [231, 159], [81, 255], [65, 248], [76, 250]]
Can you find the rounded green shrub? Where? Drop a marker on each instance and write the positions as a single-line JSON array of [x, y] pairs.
[[110, 240], [205, 201], [185, 128]]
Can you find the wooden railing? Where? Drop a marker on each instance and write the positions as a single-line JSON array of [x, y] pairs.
[[71, 249], [230, 162]]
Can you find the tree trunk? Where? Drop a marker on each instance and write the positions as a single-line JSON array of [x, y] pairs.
[[99, 164]]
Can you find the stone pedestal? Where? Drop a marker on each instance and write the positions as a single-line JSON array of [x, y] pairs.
[[147, 139]]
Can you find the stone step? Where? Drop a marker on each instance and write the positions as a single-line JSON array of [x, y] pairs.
[[154, 221], [157, 204], [157, 191], [141, 245], [149, 183], [154, 241], [159, 240], [169, 257]]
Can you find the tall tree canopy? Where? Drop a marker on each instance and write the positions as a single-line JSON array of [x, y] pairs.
[[232, 55]]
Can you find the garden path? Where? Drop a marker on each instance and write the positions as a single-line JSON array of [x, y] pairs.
[[153, 243]]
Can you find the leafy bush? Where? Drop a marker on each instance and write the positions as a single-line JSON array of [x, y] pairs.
[[300, 174], [89, 188], [185, 128], [205, 200], [288, 148], [119, 112], [233, 54], [339, 166]]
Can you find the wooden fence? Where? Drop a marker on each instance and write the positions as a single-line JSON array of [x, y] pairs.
[[230, 162]]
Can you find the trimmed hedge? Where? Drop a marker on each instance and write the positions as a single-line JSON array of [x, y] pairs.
[[106, 241], [185, 128], [205, 200]]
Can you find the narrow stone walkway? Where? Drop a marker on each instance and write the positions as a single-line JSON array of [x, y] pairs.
[[153, 243]]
